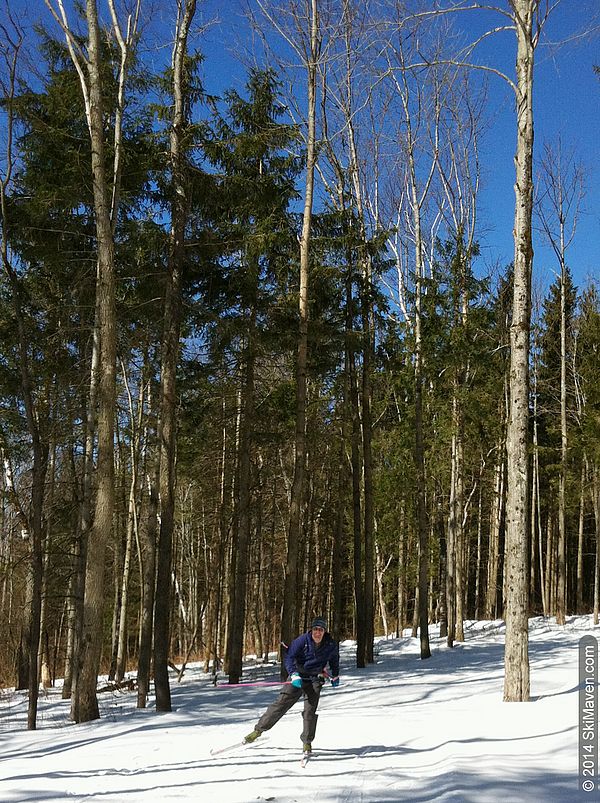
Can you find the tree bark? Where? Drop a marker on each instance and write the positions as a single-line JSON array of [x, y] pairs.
[[596, 505], [237, 601], [338, 541], [148, 542], [580, 535], [401, 590], [416, 202], [561, 594], [32, 522], [85, 510], [288, 616], [167, 428], [491, 596], [84, 703], [355, 470], [516, 658]]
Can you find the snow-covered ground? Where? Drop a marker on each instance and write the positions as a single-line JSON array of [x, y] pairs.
[[402, 729]]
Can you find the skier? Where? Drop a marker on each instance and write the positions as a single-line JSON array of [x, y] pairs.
[[305, 662]]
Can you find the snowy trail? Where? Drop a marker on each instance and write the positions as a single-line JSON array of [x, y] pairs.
[[403, 729]]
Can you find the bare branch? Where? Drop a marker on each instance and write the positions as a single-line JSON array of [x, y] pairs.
[[77, 55], [125, 49]]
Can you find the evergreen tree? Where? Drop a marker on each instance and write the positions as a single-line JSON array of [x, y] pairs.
[[255, 177]]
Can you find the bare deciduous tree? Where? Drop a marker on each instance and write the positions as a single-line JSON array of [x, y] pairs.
[[299, 26], [346, 93], [561, 186]]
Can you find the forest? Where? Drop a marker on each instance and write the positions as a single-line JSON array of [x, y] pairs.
[[253, 367]]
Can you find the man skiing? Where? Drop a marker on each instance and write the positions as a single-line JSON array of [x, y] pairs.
[[305, 661]]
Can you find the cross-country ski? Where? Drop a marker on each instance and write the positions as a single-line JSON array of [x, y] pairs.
[[229, 748]]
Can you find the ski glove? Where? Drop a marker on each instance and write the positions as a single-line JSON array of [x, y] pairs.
[[335, 682], [296, 680]]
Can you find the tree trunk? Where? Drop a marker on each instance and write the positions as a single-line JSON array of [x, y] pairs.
[[368, 347], [132, 530], [338, 542], [85, 512], [452, 540], [237, 602], [117, 575], [457, 558], [84, 704], [32, 522], [359, 587], [491, 597], [367, 436], [550, 565], [561, 594], [479, 552], [122, 632], [419, 447], [401, 592], [167, 427], [596, 503], [535, 518], [148, 577], [40, 461], [288, 616], [580, 535], [381, 569], [461, 547], [516, 658]]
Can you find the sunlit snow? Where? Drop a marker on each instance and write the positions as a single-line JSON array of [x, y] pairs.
[[401, 729]]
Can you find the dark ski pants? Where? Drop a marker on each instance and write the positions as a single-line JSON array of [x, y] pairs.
[[311, 689]]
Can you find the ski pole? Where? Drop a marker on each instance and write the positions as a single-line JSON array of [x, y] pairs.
[[261, 683]]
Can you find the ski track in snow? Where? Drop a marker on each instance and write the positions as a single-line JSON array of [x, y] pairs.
[[401, 729]]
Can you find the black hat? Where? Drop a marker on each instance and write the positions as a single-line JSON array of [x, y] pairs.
[[319, 622]]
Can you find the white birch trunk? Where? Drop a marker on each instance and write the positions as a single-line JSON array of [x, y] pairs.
[[516, 658]]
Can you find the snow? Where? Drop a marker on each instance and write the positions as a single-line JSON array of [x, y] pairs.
[[401, 729]]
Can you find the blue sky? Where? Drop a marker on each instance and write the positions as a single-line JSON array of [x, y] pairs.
[[566, 104], [566, 101]]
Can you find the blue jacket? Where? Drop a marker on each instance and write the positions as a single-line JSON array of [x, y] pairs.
[[309, 660]]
